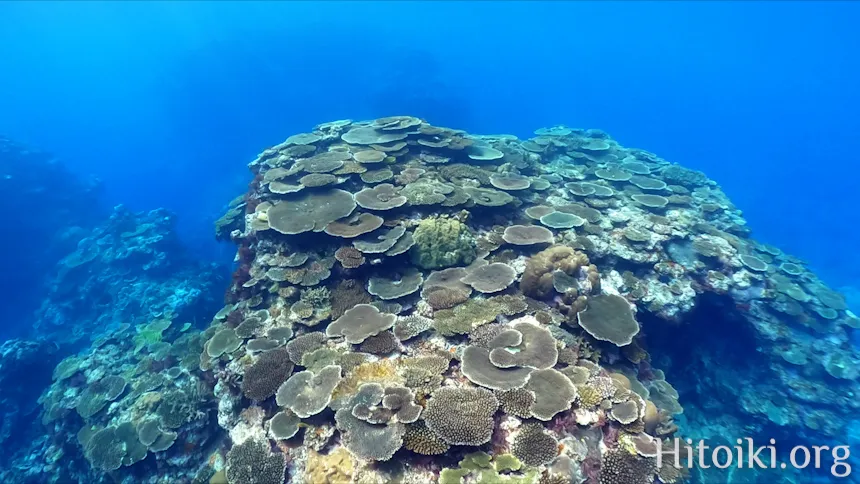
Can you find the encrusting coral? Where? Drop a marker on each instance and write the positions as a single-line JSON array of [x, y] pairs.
[[469, 307]]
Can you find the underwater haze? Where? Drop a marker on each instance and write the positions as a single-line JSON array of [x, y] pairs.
[[759, 95], [656, 201]]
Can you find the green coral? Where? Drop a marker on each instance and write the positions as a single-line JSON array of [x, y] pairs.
[[464, 318], [150, 334], [148, 432], [67, 368], [105, 450], [135, 451], [443, 242], [318, 297], [476, 461], [320, 358], [224, 341], [506, 462], [147, 383], [179, 407], [842, 365], [85, 434], [484, 468], [164, 441], [452, 476], [113, 386], [91, 401], [530, 476]]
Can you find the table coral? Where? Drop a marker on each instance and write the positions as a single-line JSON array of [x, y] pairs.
[[552, 377]]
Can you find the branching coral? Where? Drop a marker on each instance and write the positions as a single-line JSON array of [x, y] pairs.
[[251, 462], [263, 378], [534, 447], [461, 416]]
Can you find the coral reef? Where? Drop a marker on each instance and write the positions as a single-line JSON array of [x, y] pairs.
[[158, 277], [26, 367], [125, 276], [442, 323], [68, 208], [413, 303], [134, 411]]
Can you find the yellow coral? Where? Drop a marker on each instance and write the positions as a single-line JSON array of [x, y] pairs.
[[626, 442], [537, 280], [382, 371], [218, 478], [464, 318], [588, 396], [443, 242], [334, 468]]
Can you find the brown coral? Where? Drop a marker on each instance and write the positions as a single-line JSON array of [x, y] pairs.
[[622, 467], [439, 297], [421, 440], [349, 257], [382, 343], [263, 378], [533, 446], [347, 294], [537, 280], [461, 416]]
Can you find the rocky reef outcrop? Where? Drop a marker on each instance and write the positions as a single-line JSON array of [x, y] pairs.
[[414, 303], [502, 305]]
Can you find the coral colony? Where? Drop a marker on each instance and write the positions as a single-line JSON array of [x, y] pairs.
[[416, 304]]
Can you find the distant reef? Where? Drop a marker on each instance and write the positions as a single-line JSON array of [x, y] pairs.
[[87, 275], [418, 304], [44, 209], [134, 301], [130, 269]]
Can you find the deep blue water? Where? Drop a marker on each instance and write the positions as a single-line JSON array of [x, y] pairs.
[[166, 102]]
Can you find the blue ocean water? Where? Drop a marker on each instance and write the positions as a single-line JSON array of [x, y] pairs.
[[165, 103], [758, 95]]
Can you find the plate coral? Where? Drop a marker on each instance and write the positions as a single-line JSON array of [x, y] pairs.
[[414, 303]]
